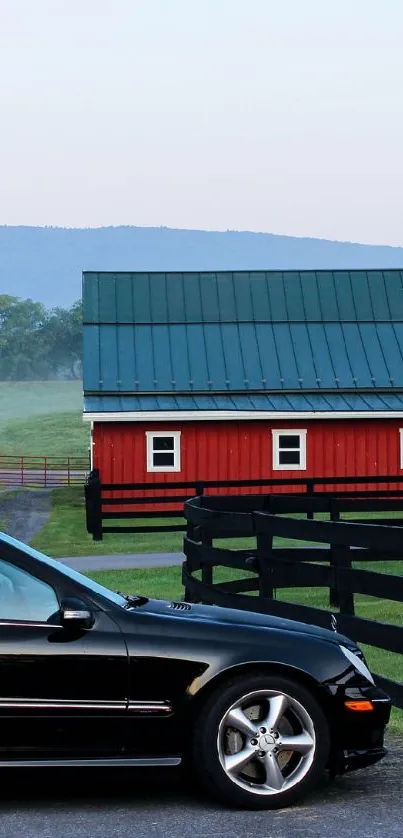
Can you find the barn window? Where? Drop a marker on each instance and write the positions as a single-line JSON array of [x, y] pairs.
[[289, 450], [163, 451]]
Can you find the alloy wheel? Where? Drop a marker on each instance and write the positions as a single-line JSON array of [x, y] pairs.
[[266, 742]]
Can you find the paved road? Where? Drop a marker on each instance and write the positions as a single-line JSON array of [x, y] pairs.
[[82, 804], [122, 561]]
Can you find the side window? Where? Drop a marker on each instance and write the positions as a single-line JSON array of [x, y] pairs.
[[24, 597], [163, 451], [289, 450]]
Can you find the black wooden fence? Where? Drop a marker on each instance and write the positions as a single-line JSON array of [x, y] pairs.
[[134, 501], [329, 565], [339, 543]]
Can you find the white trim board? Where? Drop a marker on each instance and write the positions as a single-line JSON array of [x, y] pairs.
[[175, 450], [276, 450], [236, 415]]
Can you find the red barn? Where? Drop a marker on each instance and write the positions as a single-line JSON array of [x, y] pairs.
[[250, 375]]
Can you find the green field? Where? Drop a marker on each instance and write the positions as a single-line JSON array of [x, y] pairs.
[[56, 435], [25, 399], [42, 418]]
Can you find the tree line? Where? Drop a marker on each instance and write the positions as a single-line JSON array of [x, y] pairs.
[[37, 343]]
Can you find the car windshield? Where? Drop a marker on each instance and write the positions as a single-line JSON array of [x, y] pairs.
[[94, 587]]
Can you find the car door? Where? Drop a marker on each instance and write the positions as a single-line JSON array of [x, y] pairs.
[[63, 692]]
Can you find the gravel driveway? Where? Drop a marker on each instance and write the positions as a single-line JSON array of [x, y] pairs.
[[23, 513]]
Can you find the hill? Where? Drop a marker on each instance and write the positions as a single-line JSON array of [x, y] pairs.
[[25, 400], [39, 418], [45, 263]]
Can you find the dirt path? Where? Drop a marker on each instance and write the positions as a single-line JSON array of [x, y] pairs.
[[23, 513]]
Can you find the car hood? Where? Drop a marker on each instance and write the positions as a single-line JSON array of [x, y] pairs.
[[226, 617]]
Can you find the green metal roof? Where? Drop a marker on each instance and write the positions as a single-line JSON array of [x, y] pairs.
[[298, 403], [257, 332], [251, 297]]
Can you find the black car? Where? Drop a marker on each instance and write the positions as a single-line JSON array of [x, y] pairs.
[[258, 707]]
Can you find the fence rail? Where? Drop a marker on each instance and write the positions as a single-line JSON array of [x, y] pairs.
[[42, 471], [124, 501], [211, 518]]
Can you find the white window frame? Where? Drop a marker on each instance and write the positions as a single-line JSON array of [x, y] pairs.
[[150, 436], [276, 434], [401, 447]]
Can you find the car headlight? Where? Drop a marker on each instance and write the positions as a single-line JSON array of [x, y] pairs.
[[358, 664]]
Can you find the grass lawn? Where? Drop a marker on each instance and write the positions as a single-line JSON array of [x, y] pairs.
[[41, 418], [55, 435], [166, 583], [65, 534], [24, 399]]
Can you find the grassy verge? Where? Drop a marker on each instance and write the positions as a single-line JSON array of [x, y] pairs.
[[65, 534], [165, 583]]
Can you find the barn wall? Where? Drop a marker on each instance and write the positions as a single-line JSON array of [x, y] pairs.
[[243, 450]]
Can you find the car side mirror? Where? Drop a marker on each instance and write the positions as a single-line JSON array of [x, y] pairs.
[[75, 614]]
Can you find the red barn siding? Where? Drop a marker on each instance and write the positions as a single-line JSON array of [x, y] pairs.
[[243, 450]]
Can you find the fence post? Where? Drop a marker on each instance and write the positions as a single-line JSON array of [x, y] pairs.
[[333, 591], [68, 471], [206, 569], [264, 544], [45, 471], [310, 490], [341, 558], [199, 534], [93, 505], [190, 533]]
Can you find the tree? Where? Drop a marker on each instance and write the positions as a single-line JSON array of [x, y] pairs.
[[63, 337], [39, 344], [22, 354]]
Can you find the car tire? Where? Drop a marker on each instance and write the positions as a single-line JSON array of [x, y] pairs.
[[242, 742]]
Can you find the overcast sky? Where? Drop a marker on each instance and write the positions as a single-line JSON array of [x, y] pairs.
[[282, 116]]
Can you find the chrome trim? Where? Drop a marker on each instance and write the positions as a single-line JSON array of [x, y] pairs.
[[74, 614], [30, 624], [165, 762], [150, 706], [50, 704], [63, 704]]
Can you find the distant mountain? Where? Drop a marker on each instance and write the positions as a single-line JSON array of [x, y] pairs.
[[45, 263]]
